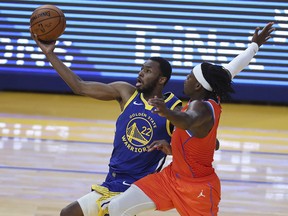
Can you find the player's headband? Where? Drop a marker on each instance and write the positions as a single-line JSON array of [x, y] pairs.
[[197, 71]]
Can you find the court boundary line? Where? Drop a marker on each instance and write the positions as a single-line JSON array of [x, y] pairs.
[[104, 173]]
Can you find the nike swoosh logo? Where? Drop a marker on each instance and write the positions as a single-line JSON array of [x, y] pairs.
[[136, 103], [125, 183]]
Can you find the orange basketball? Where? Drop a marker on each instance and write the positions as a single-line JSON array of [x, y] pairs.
[[48, 23]]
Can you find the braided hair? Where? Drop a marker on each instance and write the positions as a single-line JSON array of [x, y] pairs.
[[219, 79]]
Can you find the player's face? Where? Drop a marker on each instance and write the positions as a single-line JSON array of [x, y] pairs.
[[148, 77], [189, 84]]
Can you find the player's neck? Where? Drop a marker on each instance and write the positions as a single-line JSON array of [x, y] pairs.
[[150, 95]]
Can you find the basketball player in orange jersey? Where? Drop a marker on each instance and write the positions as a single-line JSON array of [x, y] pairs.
[[189, 183]]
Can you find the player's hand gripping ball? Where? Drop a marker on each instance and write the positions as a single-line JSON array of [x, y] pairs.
[[48, 22]]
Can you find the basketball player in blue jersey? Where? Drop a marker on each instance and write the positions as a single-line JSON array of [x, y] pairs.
[[136, 128]]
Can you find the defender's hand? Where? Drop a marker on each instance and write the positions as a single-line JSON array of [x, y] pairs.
[[264, 35], [162, 145]]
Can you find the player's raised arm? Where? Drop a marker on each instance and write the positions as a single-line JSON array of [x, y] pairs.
[[243, 59], [48, 22], [119, 91]]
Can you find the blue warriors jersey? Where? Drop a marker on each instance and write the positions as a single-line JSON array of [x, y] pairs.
[[136, 128]]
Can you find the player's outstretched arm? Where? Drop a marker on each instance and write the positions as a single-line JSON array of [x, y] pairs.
[[119, 91], [243, 59]]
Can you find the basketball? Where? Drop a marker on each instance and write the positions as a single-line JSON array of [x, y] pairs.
[[48, 22]]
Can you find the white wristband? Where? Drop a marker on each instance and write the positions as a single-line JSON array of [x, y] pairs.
[[242, 60]]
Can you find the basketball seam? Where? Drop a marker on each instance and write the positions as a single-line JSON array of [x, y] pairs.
[[51, 29]]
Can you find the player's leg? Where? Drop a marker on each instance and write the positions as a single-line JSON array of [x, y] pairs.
[[73, 209], [84, 206], [131, 202]]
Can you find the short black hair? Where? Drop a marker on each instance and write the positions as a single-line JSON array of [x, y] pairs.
[[219, 79], [165, 67]]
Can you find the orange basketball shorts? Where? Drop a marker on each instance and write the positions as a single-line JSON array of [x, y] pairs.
[[190, 196]]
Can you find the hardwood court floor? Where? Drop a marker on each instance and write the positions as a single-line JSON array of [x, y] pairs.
[[53, 147]]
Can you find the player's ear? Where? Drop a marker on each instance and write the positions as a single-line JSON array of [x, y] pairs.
[[198, 85], [162, 80]]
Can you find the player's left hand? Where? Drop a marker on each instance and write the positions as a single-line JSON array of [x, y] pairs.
[[264, 35], [162, 145]]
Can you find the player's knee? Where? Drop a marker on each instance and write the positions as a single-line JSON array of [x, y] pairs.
[[72, 209], [64, 212]]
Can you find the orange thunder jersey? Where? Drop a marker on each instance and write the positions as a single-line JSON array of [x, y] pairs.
[[192, 156], [189, 184]]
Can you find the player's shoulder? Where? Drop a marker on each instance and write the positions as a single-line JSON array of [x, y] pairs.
[[170, 95], [172, 99], [198, 105], [125, 91]]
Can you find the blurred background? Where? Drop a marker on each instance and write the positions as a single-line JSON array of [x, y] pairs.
[[110, 40]]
